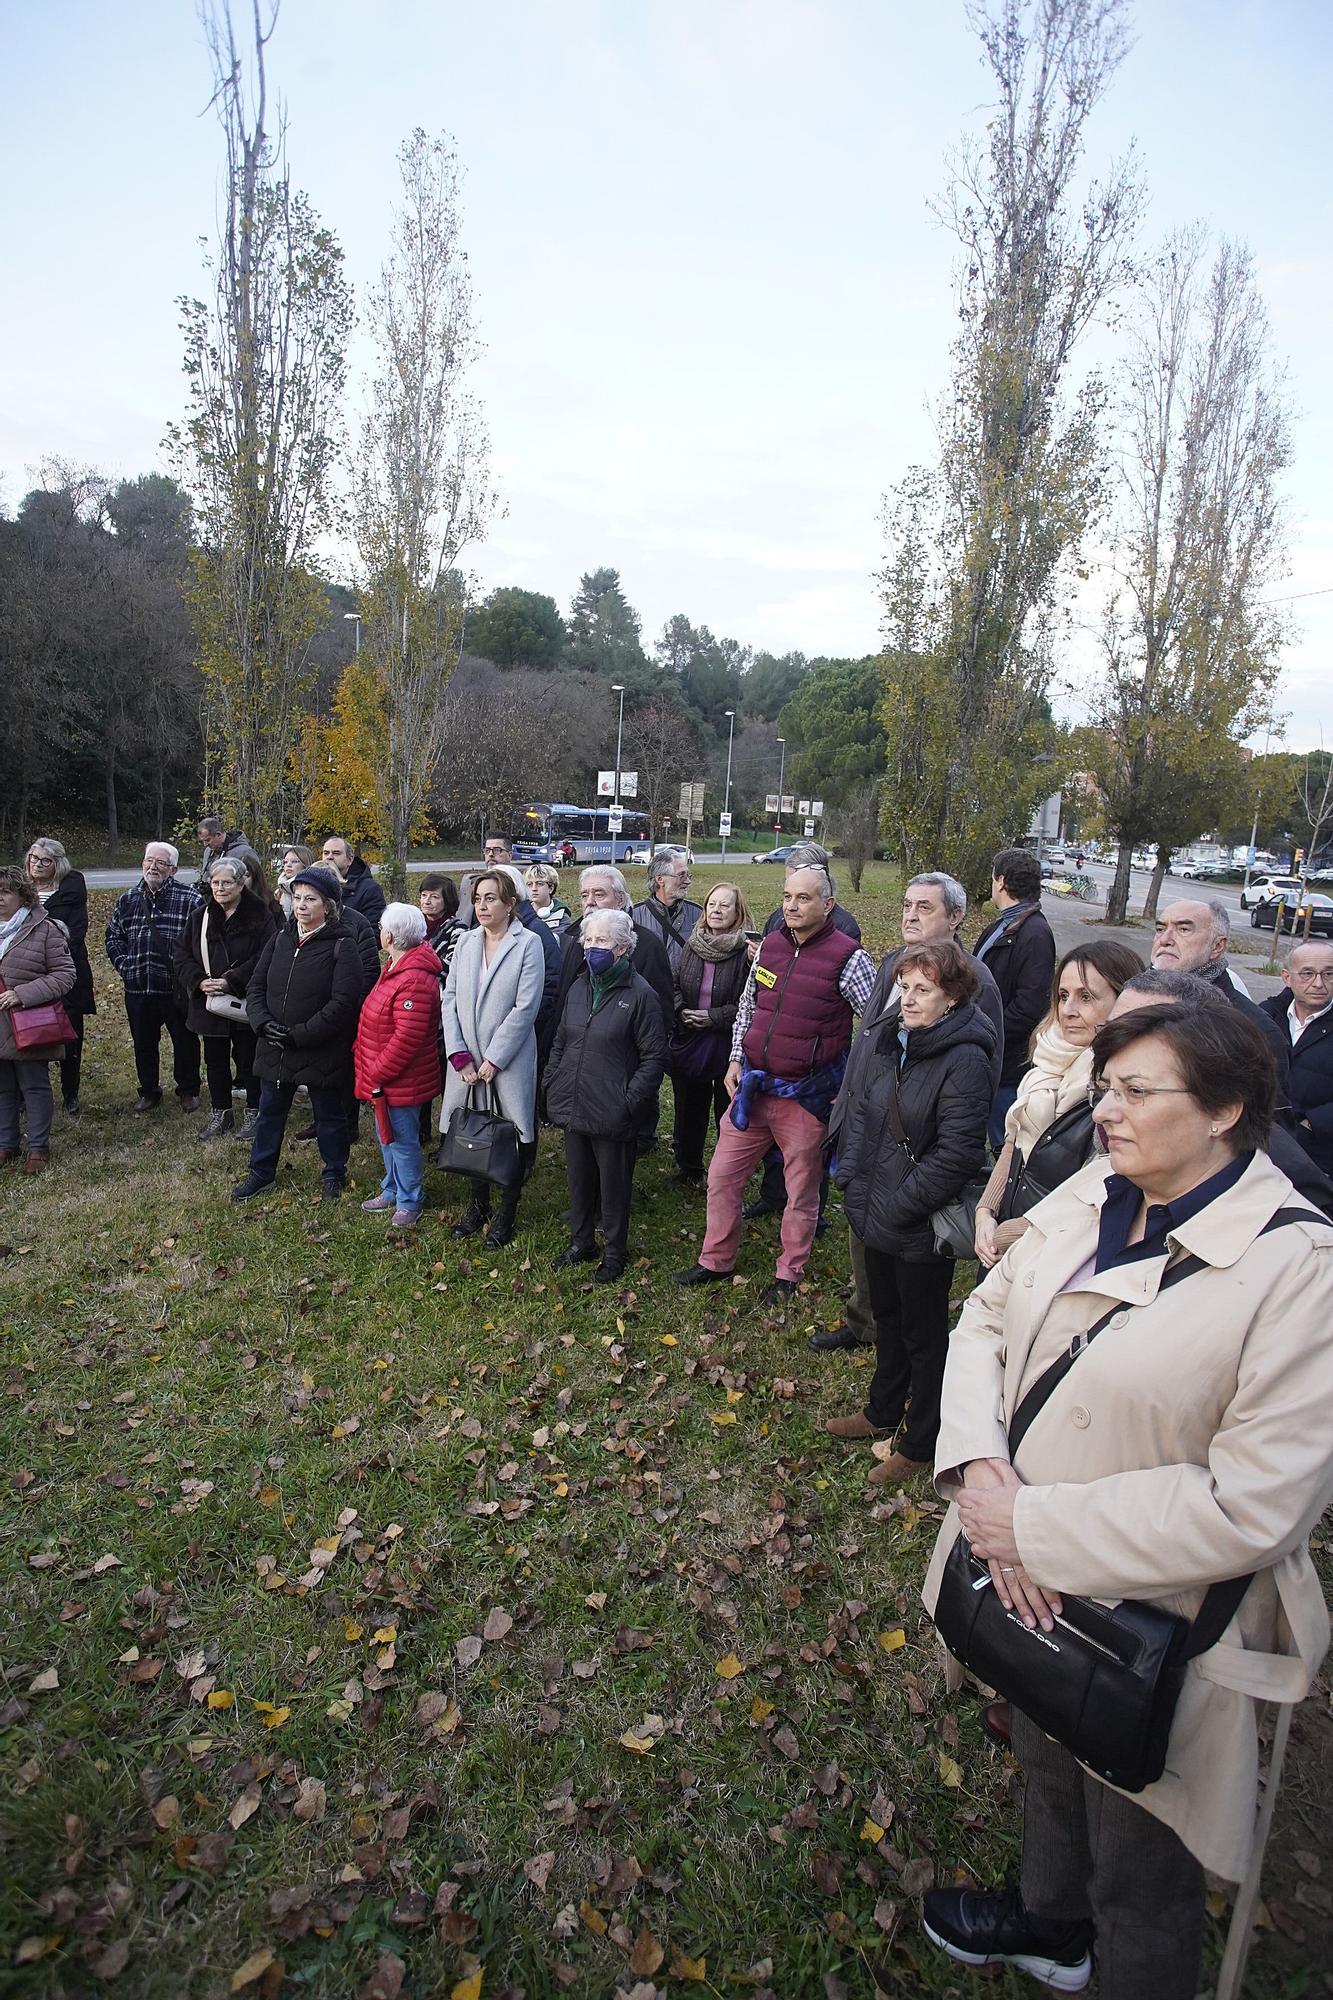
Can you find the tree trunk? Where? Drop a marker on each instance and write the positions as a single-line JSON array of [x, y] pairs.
[[112, 811], [1117, 896], [1155, 886], [159, 827]]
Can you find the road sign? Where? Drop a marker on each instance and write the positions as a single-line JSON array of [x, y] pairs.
[[614, 819], [629, 784], [692, 800], [723, 825], [606, 784], [771, 803], [817, 808], [809, 829]]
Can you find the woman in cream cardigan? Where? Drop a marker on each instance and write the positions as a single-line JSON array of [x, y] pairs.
[[1187, 1445], [1086, 984]]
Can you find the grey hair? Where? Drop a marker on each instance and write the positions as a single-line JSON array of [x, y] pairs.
[[1166, 985], [404, 923], [622, 927], [662, 863], [166, 848], [809, 854], [1221, 916], [210, 823], [951, 890], [227, 864], [601, 871], [53, 851], [813, 867]]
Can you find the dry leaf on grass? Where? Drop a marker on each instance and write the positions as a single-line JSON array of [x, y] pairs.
[[254, 1968], [310, 1801], [46, 1682], [538, 1870], [245, 1807], [467, 1651], [498, 1623], [647, 1954]]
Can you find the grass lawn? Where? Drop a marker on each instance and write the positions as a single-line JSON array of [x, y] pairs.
[[387, 1615]]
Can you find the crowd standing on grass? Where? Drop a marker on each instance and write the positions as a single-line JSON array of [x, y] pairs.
[[1107, 1452]]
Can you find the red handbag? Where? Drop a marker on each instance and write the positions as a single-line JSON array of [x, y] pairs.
[[36, 1029]]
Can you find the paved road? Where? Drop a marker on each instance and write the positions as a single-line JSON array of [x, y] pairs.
[[1070, 920]]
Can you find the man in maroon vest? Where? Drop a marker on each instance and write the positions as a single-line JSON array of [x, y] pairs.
[[788, 1054]]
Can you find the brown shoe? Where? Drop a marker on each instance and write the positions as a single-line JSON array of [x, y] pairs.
[[36, 1163], [895, 1470], [995, 1722], [8, 1155], [857, 1428]]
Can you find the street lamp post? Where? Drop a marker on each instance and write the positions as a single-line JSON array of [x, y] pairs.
[[726, 803], [356, 616], [782, 773], [620, 730]]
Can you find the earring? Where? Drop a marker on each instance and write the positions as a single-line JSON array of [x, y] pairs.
[[1213, 1130]]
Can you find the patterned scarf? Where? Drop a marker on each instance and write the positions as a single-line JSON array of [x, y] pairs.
[[814, 1093]]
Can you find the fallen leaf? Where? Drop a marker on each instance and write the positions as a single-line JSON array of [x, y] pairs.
[[647, 1954], [245, 1807], [720, 1418], [893, 1641], [640, 1745], [386, 1981], [46, 1682], [221, 1698], [728, 1667], [166, 1812], [594, 1919], [112, 1962], [467, 1651], [784, 1740], [271, 1717], [254, 1968], [872, 1831], [104, 1563], [385, 1635], [469, 1988], [951, 1771], [538, 1870], [352, 1631], [687, 1968], [310, 1802], [498, 1623], [760, 1710], [33, 1948], [668, 1340]]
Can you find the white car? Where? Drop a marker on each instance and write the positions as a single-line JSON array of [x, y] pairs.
[[1267, 888]]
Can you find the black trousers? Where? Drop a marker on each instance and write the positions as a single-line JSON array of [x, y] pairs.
[[219, 1051], [910, 1303], [71, 1064], [600, 1173], [149, 1014], [697, 1098], [1089, 1852]]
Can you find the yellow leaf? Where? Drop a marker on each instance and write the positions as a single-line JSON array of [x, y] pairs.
[[951, 1772], [352, 1631], [593, 1918], [728, 1667], [255, 1966], [668, 1340], [872, 1831], [386, 1635], [688, 1968], [330, 1543], [467, 1989], [721, 1417], [269, 1496], [640, 1745], [221, 1698], [893, 1641], [339, 1711], [620, 1326], [560, 1489], [272, 1718], [735, 1395], [760, 1710], [33, 1948], [1216, 1905]]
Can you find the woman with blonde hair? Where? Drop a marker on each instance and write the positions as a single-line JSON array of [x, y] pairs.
[[63, 894], [709, 979], [294, 859]]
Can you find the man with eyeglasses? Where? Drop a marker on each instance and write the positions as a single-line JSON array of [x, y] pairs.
[[146, 926], [1305, 1014]]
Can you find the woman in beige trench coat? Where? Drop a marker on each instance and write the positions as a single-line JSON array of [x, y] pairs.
[[1188, 1444]]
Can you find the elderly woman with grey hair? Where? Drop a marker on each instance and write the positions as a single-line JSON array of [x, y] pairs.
[[218, 951], [63, 894], [606, 1063], [397, 1058]]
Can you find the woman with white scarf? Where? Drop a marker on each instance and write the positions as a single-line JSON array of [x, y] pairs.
[[1086, 986]]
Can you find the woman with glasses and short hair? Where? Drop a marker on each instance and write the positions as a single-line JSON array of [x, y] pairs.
[[1185, 1445]]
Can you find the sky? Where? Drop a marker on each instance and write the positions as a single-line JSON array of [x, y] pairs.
[[714, 302]]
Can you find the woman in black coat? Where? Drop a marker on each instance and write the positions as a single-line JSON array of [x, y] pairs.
[[304, 1000], [217, 954], [908, 1131], [710, 976], [63, 894], [606, 1063]]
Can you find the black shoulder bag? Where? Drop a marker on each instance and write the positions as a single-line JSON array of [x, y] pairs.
[[1064, 1147], [1104, 1683], [480, 1142]]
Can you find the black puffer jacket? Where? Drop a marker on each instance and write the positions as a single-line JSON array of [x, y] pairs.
[[67, 905], [1310, 1081], [234, 945], [944, 1097], [365, 937], [650, 963], [605, 1066], [314, 990]]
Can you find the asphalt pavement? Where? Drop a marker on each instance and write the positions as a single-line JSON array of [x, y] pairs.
[[1071, 920]]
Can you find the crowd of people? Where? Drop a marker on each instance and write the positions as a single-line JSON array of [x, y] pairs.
[[1089, 1129]]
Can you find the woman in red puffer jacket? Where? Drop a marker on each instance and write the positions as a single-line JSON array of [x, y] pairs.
[[397, 1059]]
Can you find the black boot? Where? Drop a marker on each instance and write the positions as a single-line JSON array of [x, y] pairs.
[[501, 1230], [478, 1213]]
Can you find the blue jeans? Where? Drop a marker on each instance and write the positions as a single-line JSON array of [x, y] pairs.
[[999, 1111], [275, 1101], [403, 1169]]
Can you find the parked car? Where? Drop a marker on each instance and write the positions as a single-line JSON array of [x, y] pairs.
[[1264, 888], [1318, 908], [774, 854]]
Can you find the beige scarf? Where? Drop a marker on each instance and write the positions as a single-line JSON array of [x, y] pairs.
[[1058, 1079]]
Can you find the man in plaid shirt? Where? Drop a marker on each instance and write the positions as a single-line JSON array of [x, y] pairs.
[[141, 939]]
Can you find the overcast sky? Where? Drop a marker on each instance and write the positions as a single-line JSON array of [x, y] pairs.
[[714, 301]]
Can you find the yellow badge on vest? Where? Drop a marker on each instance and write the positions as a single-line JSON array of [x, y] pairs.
[[763, 977]]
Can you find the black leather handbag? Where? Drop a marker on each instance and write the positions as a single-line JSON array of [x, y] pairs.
[[478, 1141], [1064, 1147]]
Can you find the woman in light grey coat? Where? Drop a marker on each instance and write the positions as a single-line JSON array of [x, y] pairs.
[[491, 1000]]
